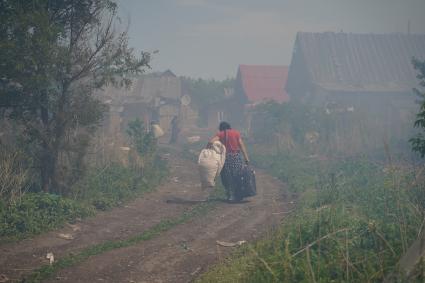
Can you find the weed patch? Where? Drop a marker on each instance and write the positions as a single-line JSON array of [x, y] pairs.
[[38, 212], [354, 221], [99, 189]]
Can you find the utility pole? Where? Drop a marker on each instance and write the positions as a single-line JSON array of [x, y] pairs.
[[408, 27]]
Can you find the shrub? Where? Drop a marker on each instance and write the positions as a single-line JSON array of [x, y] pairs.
[[99, 188], [108, 187], [37, 212], [352, 225]]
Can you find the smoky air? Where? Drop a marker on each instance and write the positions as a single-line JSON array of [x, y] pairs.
[[212, 141]]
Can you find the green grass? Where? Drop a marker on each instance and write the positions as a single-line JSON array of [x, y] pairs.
[[108, 187], [38, 212], [100, 189], [353, 222]]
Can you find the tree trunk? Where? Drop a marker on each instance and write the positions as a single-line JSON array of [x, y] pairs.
[[45, 153], [49, 152], [47, 167]]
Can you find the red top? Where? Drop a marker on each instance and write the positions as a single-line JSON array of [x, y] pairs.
[[232, 140]]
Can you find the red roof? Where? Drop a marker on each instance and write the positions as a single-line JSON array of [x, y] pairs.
[[261, 83]]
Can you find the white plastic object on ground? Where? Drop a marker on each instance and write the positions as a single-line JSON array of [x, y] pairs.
[[51, 258], [230, 244], [66, 236]]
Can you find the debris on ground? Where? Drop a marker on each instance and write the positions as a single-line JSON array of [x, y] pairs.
[[3, 278], [230, 244], [74, 227], [51, 258], [185, 247], [66, 236], [283, 212], [196, 271]]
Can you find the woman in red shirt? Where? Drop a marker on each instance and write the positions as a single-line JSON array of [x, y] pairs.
[[232, 169]]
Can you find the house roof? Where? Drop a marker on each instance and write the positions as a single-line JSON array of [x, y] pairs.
[[168, 73], [360, 62], [146, 88], [261, 82]]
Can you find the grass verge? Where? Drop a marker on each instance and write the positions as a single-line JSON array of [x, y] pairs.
[[100, 189], [354, 220]]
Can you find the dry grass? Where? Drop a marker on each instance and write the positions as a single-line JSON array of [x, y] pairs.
[[14, 177]]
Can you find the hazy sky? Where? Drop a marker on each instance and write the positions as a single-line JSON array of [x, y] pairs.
[[210, 38]]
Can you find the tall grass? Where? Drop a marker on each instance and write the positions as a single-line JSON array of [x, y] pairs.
[[14, 176], [353, 222], [99, 189], [109, 186]]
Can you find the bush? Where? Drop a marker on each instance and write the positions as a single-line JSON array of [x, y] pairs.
[[298, 175], [108, 187], [100, 188], [37, 212], [352, 224]]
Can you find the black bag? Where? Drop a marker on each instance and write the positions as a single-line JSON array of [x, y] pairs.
[[248, 185]]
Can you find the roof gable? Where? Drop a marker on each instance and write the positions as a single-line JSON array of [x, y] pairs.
[[360, 62], [168, 73], [261, 82]]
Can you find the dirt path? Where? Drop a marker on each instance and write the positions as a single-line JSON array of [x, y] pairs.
[[177, 255]]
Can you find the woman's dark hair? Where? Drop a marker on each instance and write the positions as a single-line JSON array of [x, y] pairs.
[[224, 126]]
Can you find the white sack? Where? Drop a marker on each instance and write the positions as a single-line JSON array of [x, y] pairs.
[[210, 163], [157, 131]]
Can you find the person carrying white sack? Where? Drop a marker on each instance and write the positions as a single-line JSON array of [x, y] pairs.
[[232, 169]]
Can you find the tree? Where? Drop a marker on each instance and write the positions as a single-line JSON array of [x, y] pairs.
[[54, 55], [418, 142], [144, 142], [294, 117], [206, 92]]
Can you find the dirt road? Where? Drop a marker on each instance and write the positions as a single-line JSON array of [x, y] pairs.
[[179, 254]]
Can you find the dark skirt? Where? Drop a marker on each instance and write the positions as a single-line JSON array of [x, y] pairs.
[[231, 172]]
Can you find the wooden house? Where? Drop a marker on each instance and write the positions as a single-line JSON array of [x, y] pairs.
[[363, 82], [154, 97]]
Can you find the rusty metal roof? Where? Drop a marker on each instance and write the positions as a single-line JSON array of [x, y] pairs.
[[262, 82], [360, 62]]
